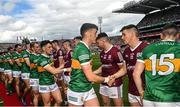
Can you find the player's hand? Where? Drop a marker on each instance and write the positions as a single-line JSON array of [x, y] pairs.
[[65, 90], [69, 69], [141, 97], [111, 80]]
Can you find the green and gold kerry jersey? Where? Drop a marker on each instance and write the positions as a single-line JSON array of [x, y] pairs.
[[162, 71], [25, 68], [81, 55], [45, 77], [33, 58]]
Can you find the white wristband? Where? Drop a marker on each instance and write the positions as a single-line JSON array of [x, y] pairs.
[[64, 69], [106, 80]]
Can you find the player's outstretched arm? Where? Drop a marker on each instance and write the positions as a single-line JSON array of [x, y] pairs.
[[87, 69], [98, 71], [121, 72], [18, 62], [27, 61], [53, 70], [10, 61], [61, 61], [139, 68]]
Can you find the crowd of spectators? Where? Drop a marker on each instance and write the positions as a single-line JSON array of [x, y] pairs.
[[163, 16]]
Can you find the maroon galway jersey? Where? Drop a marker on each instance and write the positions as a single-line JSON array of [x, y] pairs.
[[130, 56], [67, 59], [56, 55], [111, 60]]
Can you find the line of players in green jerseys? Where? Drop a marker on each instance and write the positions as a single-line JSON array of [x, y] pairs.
[[28, 69], [45, 71]]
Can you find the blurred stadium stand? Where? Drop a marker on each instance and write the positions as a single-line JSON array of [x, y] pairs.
[[157, 14], [4, 46]]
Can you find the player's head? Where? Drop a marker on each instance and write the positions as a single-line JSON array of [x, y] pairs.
[[18, 48], [10, 49], [46, 47], [26, 44], [66, 44], [35, 47], [129, 33], [170, 31], [102, 39], [89, 31], [77, 40], [55, 43]]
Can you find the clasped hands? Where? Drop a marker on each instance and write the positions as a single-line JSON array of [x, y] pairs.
[[112, 79]]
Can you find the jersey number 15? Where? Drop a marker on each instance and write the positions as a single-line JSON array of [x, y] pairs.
[[162, 62]]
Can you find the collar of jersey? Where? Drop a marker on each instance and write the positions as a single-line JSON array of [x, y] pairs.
[[28, 51], [168, 40], [68, 52], [45, 55], [109, 49], [84, 44], [132, 49], [34, 53], [17, 53]]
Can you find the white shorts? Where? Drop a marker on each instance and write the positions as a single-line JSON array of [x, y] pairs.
[[34, 83], [147, 103], [66, 79], [16, 73], [1, 69], [78, 98], [48, 88], [111, 92], [8, 72], [133, 98], [25, 76]]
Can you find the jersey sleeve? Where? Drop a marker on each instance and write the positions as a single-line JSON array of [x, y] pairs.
[[141, 57], [8, 57], [15, 56], [118, 57], [83, 56], [71, 52], [44, 62], [60, 54], [31, 58], [25, 54]]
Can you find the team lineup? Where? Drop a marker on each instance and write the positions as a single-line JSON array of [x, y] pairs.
[[58, 73]]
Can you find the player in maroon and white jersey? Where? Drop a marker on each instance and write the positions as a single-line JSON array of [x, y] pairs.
[[58, 61], [57, 54], [130, 36], [112, 65], [67, 60], [67, 64]]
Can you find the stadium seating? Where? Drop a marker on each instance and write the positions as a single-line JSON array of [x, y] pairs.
[[160, 17]]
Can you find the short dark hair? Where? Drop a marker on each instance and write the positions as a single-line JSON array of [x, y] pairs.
[[9, 48], [102, 35], [78, 37], [87, 26], [32, 44], [67, 41], [174, 29], [170, 26], [17, 45], [129, 27], [55, 41], [45, 42]]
